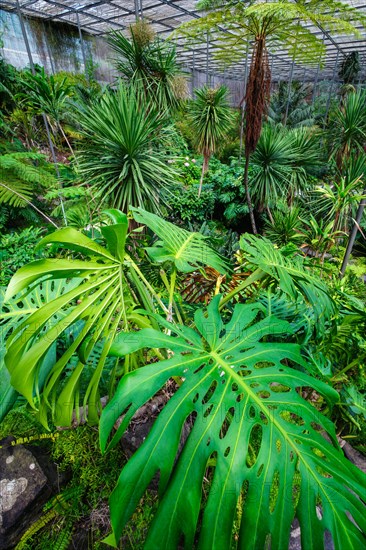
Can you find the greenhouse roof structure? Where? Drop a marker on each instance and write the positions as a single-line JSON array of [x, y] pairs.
[[99, 17]]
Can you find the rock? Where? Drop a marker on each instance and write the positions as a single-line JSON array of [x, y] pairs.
[[295, 538], [24, 489]]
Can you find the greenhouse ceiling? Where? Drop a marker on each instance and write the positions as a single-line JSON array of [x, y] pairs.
[[98, 17]]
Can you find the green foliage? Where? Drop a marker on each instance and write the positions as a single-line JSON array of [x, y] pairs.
[[121, 156], [336, 202], [86, 315], [186, 206], [186, 250], [237, 386], [350, 68], [236, 24], [282, 163], [86, 300], [149, 64], [226, 181], [211, 118], [283, 228], [16, 250], [289, 273], [294, 100], [46, 94], [348, 128], [22, 176]]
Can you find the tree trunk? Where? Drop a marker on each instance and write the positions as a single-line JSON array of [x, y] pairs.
[[249, 200], [206, 159]]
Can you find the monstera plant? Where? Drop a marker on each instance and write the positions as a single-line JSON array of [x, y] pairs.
[[263, 453], [81, 321]]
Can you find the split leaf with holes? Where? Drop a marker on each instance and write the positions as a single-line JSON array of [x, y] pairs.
[[81, 320], [254, 436]]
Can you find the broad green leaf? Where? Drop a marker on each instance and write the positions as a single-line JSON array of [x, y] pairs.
[[11, 316], [291, 275], [252, 434], [93, 309], [187, 250]]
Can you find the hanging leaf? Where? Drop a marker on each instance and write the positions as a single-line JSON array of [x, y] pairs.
[[186, 249], [261, 441], [290, 273]]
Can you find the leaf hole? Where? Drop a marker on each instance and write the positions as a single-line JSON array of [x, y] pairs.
[[240, 397], [263, 417], [227, 422], [199, 369], [264, 394], [208, 441], [254, 385], [234, 386], [195, 399], [292, 418], [245, 373], [252, 412], [279, 388], [318, 452], [323, 472], [208, 411], [274, 491], [328, 540], [254, 445], [260, 470], [226, 452], [278, 445], [264, 365], [211, 390]]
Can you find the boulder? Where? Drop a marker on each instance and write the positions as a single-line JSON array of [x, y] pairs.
[[24, 489]]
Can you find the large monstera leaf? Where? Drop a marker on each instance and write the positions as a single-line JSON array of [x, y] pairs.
[[244, 399], [11, 316], [82, 321]]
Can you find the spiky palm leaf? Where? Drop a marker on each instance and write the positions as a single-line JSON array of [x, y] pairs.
[[148, 63], [241, 393]]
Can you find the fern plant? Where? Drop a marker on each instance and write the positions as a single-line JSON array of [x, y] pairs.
[[22, 175], [241, 385]]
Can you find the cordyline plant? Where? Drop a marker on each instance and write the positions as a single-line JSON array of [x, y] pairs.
[[265, 26]]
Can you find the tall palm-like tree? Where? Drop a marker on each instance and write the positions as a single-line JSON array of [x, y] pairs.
[[119, 157], [264, 25], [283, 161], [46, 95], [348, 128], [211, 118], [150, 63]]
